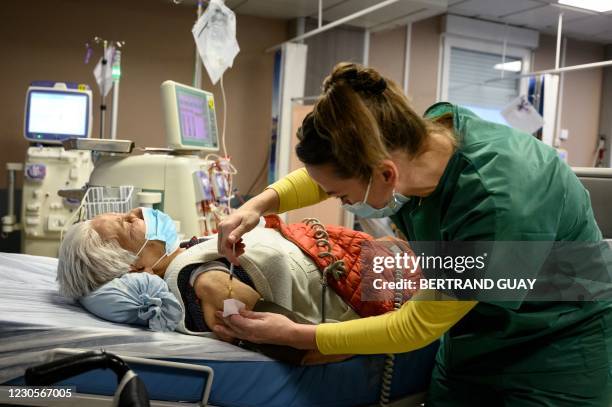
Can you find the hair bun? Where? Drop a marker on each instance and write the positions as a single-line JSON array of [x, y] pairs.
[[361, 79]]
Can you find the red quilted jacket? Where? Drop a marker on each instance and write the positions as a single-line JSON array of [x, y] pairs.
[[350, 260]]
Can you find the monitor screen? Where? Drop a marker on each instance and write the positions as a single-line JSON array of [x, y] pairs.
[[194, 115], [52, 114]]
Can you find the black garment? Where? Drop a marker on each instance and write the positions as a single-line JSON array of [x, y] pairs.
[[194, 317]]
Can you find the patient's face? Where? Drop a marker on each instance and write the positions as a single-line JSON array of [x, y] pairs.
[[129, 230]]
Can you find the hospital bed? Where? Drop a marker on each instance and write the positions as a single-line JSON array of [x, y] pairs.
[[598, 181], [37, 325]]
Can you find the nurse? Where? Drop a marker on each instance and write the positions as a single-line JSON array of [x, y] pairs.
[[446, 176]]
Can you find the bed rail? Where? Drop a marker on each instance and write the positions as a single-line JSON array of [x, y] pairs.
[[59, 368]]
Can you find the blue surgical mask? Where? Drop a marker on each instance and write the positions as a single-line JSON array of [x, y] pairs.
[[159, 226], [364, 210]]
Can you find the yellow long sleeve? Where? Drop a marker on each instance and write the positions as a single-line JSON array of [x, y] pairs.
[[415, 325], [297, 190]]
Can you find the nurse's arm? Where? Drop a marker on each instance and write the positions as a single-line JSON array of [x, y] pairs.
[[417, 324], [297, 190], [294, 191]]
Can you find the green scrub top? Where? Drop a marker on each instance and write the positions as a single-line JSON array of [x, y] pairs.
[[502, 184]]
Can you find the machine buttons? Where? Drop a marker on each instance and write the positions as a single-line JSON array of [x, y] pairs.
[[35, 172], [33, 207], [32, 220], [37, 194]]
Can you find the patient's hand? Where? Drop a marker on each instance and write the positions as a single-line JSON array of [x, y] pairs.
[[211, 289], [219, 321]]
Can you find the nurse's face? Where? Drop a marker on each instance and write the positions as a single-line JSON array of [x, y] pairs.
[[353, 190]]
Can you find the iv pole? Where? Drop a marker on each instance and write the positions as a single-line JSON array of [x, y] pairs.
[[197, 79], [197, 71], [102, 95], [116, 75]]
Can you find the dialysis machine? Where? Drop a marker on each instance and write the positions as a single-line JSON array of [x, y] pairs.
[[54, 111], [193, 188]]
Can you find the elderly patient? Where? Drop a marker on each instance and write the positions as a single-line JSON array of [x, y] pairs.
[[97, 251]]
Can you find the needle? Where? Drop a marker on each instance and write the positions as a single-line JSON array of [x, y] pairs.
[[231, 272]]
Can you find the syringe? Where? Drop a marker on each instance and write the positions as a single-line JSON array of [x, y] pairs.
[[231, 272]]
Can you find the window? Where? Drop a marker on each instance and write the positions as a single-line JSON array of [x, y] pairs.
[[476, 75]]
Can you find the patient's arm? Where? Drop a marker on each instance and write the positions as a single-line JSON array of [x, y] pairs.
[[212, 288]]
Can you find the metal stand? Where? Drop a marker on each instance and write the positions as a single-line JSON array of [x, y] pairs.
[[9, 222], [116, 70], [102, 96]]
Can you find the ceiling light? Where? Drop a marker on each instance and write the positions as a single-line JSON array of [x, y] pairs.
[[514, 66], [600, 6]]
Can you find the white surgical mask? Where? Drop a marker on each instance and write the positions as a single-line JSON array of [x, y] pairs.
[[365, 210]]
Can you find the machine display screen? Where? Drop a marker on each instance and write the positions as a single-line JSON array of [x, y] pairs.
[[195, 119], [52, 115]]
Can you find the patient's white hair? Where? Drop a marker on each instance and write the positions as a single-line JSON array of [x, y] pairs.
[[87, 262]]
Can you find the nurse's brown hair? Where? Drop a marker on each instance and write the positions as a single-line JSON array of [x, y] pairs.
[[358, 120]]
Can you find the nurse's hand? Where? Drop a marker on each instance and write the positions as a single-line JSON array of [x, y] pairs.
[[231, 230], [243, 220], [266, 327]]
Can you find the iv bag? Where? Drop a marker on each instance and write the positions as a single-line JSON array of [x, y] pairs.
[[103, 72], [215, 37]]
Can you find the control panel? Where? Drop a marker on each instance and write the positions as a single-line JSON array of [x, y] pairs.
[[44, 213]]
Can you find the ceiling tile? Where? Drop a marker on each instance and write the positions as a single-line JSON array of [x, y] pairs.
[[591, 25], [396, 11], [540, 15], [345, 8], [282, 8], [605, 37], [491, 8], [544, 18], [398, 21]]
